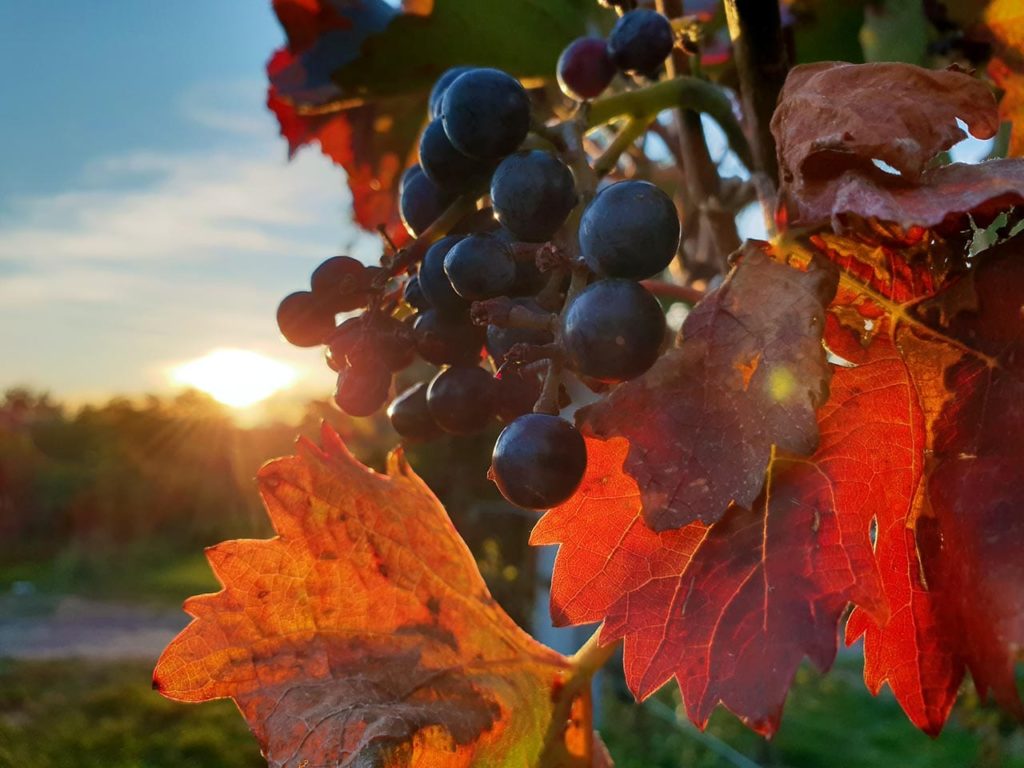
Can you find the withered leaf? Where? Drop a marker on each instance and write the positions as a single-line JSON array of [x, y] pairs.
[[748, 374]]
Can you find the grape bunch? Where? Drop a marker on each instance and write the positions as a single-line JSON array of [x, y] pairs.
[[537, 283]]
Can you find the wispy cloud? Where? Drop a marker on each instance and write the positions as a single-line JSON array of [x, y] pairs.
[[156, 257]]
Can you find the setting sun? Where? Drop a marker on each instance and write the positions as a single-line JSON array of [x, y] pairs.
[[235, 377]]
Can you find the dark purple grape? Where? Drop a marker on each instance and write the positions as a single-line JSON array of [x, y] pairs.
[[413, 294], [341, 284], [448, 168], [538, 461], [480, 267], [434, 282], [585, 69], [640, 41], [447, 341], [486, 113], [516, 392], [333, 364], [461, 399], [304, 321], [500, 340], [394, 342], [480, 220], [362, 390], [613, 331], [440, 86], [420, 200], [411, 417], [532, 193], [350, 341], [631, 229]]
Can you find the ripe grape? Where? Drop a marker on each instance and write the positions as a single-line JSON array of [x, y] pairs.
[[447, 341], [538, 461], [410, 416], [348, 342], [434, 283], [420, 200], [613, 331], [640, 41], [486, 113], [516, 392], [303, 320], [440, 86], [461, 399], [362, 390], [480, 267], [532, 193], [631, 229], [585, 69], [394, 343], [500, 340], [413, 294], [448, 168], [340, 283]]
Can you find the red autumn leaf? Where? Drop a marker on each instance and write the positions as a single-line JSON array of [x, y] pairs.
[[729, 610], [749, 374], [829, 130], [372, 141], [957, 363], [921, 440], [363, 633]]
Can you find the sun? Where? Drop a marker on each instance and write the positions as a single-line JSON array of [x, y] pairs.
[[235, 377]]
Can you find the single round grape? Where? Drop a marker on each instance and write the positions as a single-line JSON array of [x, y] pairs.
[[435, 283], [480, 220], [362, 390], [394, 342], [440, 86], [447, 341], [340, 284], [303, 320], [350, 342], [532, 192], [516, 392], [480, 267], [500, 340], [420, 201], [640, 41], [538, 461], [461, 399], [613, 331], [486, 113], [585, 69], [631, 229], [448, 168], [410, 416], [413, 294]]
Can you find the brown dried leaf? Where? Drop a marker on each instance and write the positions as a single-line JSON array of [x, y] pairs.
[[749, 374]]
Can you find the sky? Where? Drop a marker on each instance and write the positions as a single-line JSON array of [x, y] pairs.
[[148, 213]]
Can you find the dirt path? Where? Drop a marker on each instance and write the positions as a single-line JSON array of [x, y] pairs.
[[74, 627]]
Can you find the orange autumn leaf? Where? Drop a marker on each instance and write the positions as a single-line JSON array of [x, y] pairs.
[[363, 634]]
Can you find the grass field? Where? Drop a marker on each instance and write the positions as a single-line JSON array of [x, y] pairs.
[[74, 714]]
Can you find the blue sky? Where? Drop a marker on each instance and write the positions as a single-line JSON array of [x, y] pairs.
[[147, 209]]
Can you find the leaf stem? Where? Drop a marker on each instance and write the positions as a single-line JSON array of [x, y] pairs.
[[591, 656], [683, 92], [633, 130]]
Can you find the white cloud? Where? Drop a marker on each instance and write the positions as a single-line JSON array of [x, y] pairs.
[[156, 257]]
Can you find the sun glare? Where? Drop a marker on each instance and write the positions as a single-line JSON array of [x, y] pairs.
[[235, 377]]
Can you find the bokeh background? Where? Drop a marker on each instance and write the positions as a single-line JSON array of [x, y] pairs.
[[148, 219]]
